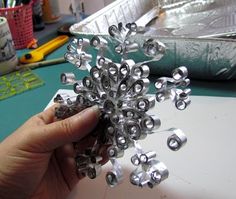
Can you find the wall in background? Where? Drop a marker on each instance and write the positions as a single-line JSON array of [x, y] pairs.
[[64, 6], [90, 6]]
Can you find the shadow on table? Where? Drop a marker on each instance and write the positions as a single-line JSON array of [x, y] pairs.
[[98, 189]]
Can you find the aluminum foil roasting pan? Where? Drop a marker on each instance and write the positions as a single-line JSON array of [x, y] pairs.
[[195, 18], [185, 26]]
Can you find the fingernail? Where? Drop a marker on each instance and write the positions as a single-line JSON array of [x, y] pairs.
[[96, 109], [90, 110]]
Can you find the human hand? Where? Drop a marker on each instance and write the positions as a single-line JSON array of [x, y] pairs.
[[37, 160]]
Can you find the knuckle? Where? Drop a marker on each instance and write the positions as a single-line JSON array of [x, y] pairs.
[[67, 127]]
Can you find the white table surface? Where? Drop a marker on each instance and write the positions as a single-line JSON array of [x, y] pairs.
[[203, 169]]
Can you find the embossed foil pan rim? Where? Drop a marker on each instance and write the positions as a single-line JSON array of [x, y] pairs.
[[223, 68], [199, 18], [202, 13]]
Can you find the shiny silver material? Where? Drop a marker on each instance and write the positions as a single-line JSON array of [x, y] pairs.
[[71, 100], [177, 140], [190, 29], [77, 86], [98, 42], [115, 152], [102, 61], [61, 98], [132, 47], [113, 178], [147, 157], [133, 129], [150, 123], [120, 91], [135, 160], [154, 48], [172, 88], [144, 104], [94, 171], [76, 54], [137, 177], [157, 172], [182, 104], [180, 73], [68, 78], [195, 18], [140, 71]]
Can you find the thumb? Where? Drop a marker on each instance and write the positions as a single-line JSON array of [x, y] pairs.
[[66, 131]]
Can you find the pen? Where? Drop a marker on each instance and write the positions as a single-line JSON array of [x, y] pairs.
[[42, 63], [25, 1], [4, 2], [13, 4], [8, 3], [18, 2]]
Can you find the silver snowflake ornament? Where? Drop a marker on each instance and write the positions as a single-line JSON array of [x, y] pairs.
[[120, 89]]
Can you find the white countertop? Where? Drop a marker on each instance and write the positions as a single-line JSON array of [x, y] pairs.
[[203, 169]]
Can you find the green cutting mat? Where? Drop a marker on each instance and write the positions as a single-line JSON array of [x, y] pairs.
[[18, 82]]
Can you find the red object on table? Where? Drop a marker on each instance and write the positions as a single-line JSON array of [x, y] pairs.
[[20, 22]]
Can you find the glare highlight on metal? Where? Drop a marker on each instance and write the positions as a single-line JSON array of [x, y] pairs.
[[120, 90]]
